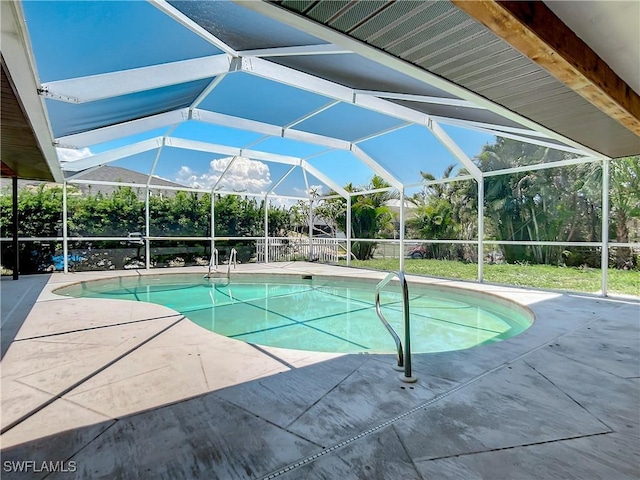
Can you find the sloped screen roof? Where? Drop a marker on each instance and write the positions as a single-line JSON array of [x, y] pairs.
[[210, 91]]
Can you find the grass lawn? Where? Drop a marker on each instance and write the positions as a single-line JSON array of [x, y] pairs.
[[625, 282]]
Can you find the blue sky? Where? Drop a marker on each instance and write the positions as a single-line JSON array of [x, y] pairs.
[[403, 159], [73, 39]]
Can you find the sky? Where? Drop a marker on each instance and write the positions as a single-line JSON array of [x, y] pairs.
[[108, 33], [203, 170]]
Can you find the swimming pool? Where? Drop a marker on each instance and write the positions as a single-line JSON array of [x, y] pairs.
[[321, 313]]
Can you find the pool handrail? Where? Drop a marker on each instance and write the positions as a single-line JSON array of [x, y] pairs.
[[233, 257], [404, 356], [213, 262]]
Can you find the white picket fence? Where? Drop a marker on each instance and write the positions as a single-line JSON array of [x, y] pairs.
[[287, 249]]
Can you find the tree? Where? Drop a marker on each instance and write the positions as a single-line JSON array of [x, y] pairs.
[[444, 211], [181, 214], [238, 216], [555, 204], [370, 216], [279, 221], [624, 188], [40, 210], [116, 214]]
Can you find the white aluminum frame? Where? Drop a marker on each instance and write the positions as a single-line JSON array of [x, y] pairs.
[[125, 82], [96, 87]]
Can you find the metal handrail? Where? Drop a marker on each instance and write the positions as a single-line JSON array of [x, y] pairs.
[[393, 333], [213, 263], [404, 356], [233, 257]]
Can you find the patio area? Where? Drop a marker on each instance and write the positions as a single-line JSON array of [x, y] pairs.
[[117, 389]]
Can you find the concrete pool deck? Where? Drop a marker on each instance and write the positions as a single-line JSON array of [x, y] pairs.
[[118, 389]]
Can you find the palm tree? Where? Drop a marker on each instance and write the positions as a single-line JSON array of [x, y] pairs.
[[625, 203], [444, 211], [371, 218], [539, 205]]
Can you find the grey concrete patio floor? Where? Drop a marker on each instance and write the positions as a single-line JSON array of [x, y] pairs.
[[118, 389]]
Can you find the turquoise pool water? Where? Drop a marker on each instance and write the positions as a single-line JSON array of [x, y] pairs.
[[321, 314]]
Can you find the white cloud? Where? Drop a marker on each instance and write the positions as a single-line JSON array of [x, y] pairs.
[[71, 154], [245, 175]]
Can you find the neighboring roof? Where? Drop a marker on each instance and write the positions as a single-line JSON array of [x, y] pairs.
[[117, 175], [294, 87]]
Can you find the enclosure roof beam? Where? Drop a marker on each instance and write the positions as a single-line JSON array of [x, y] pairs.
[[205, 93], [522, 138], [119, 130], [289, 76], [159, 142], [313, 138], [309, 115], [232, 151], [325, 179], [124, 82], [297, 51], [227, 168], [113, 155], [455, 150], [282, 179], [185, 21], [543, 166], [457, 122], [454, 102], [268, 129], [375, 166]]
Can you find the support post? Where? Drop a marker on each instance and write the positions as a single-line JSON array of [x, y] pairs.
[[266, 228], [402, 229], [310, 228], [348, 232], [604, 259], [213, 222], [65, 236], [147, 232], [481, 229], [14, 229]]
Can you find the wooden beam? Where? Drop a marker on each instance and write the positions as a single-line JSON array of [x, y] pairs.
[[534, 30], [6, 171]]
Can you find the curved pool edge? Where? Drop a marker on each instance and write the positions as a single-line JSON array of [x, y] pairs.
[[500, 296]]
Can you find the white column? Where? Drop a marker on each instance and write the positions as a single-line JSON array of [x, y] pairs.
[[604, 259], [65, 239], [481, 230], [310, 228], [213, 223], [147, 231], [402, 229], [348, 232], [266, 229]]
